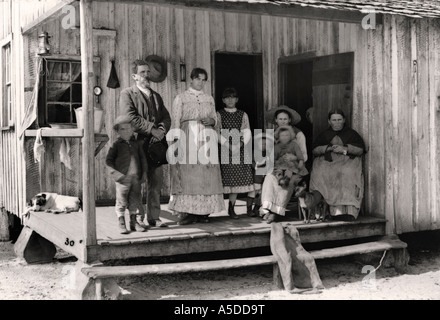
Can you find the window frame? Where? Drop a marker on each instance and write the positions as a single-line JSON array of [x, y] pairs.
[[6, 90], [45, 86]]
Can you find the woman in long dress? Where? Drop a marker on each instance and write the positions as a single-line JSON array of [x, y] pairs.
[[196, 187], [337, 167]]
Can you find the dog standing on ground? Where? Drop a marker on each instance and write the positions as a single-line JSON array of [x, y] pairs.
[[55, 203], [311, 202]]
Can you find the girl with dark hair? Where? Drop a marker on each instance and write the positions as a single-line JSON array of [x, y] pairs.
[[236, 167]]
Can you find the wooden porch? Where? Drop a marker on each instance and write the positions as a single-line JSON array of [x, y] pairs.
[[221, 233]]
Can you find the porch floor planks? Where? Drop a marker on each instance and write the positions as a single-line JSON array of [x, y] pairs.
[[219, 226]]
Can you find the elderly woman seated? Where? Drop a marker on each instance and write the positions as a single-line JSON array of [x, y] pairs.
[[337, 167]]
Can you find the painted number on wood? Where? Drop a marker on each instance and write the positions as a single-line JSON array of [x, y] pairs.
[[69, 242]]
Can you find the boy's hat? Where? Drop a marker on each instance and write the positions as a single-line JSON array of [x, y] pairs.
[[283, 128], [270, 114], [121, 120]]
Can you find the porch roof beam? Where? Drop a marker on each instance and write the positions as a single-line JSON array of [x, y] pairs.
[[283, 10], [48, 16]]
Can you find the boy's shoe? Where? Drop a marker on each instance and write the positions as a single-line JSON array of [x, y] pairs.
[[134, 225], [140, 221], [122, 227], [157, 223]]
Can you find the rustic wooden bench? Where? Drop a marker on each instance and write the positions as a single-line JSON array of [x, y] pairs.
[[97, 274]]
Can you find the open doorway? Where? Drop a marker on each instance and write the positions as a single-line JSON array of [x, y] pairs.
[[313, 86], [244, 72]]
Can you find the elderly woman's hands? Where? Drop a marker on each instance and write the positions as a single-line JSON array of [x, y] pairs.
[[339, 149]]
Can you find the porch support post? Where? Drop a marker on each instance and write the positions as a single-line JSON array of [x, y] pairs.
[[88, 140]]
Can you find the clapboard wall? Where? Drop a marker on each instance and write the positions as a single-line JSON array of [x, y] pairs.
[[395, 92]]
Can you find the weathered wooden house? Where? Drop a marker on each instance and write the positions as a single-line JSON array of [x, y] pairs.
[[378, 60]]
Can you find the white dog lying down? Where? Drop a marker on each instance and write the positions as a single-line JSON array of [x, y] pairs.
[[55, 203]]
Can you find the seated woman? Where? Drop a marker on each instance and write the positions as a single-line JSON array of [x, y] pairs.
[[288, 171], [337, 167]]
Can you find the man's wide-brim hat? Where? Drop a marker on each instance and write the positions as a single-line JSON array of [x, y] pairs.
[[296, 118], [158, 68]]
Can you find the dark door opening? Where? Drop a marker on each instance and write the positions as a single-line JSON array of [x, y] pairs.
[[297, 88], [244, 72], [313, 87]]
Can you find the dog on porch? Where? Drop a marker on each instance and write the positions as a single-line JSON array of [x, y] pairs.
[[54, 203], [311, 203]]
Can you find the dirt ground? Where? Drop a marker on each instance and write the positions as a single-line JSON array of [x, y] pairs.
[[342, 278]]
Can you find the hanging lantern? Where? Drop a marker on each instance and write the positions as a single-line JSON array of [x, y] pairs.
[[43, 43]]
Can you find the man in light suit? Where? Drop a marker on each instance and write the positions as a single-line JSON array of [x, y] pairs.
[[151, 121]]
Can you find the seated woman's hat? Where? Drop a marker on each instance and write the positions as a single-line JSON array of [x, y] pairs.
[[296, 118]]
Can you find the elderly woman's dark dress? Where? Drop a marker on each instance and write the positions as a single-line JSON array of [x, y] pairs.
[[338, 176]]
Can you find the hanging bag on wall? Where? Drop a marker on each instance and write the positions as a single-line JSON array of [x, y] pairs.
[[113, 80]]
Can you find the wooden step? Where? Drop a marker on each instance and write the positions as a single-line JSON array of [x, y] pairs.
[[367, 247], [389, 243]]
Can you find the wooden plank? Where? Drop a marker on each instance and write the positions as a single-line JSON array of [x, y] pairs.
[[395, 118], [216, 30], [200, 266], [189, 41], [375, 190], [199, 235], [266, 8], [422, 139], [256, 37], [414, 30], [387, 76], [311, 35], [61, 237], [244, 36], [101, 15], [302, 37], [122, 51], [266, 57], [88, 140], [434, 93], [231, 34], [171, 268], [362, 248], [404, 147]]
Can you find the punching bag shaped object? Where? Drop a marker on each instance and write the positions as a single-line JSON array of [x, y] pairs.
[[113, 81]]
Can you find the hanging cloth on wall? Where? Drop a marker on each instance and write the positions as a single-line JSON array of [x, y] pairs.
[[113, 81], [38, 147], [31, 109]]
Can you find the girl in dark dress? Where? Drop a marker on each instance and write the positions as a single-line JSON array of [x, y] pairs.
[[236, 165]]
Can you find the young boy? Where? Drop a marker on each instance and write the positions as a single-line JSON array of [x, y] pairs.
[[289, 160], [128, 166]]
